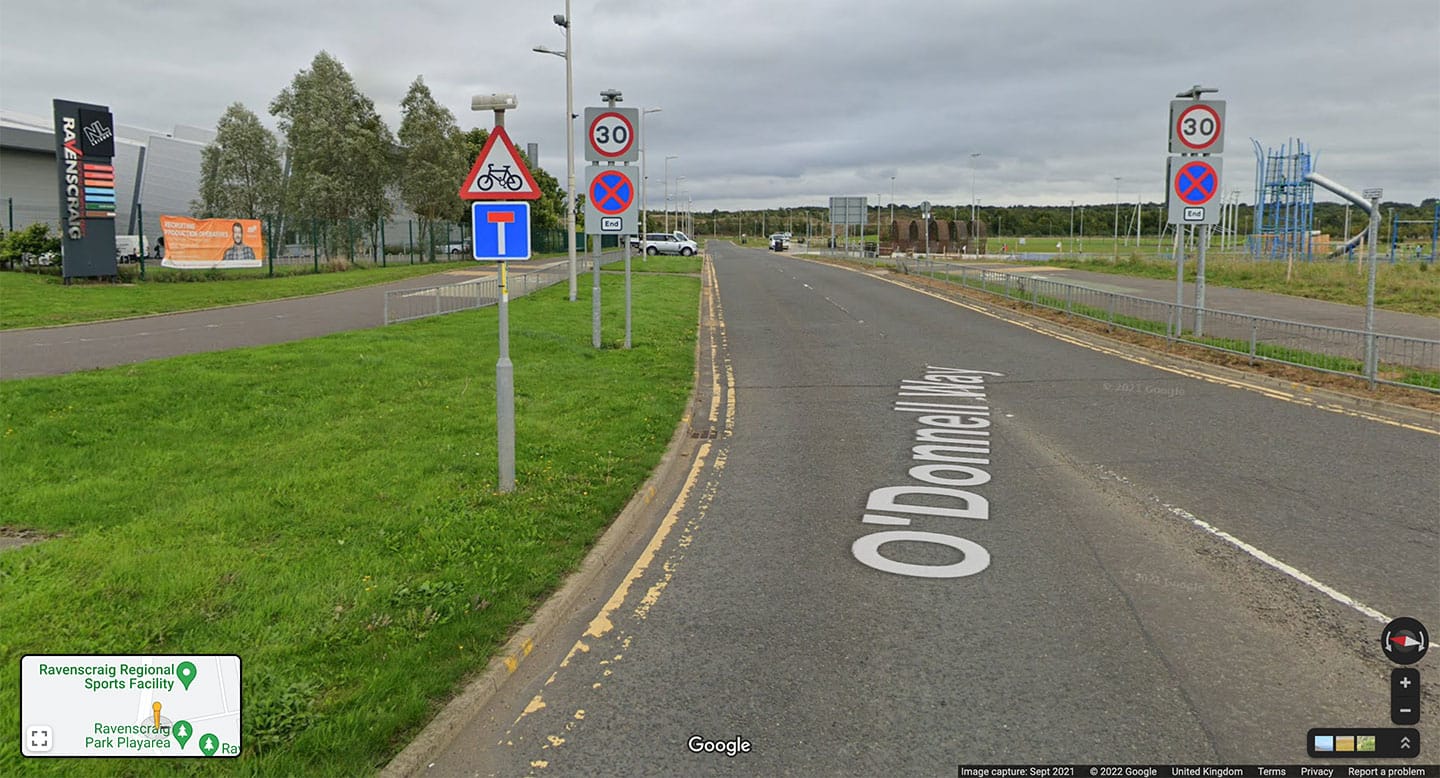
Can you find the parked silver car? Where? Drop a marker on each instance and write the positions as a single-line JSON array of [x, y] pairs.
[[665, 243]]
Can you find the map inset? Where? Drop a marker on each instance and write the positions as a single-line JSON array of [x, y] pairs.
[[130, 705]]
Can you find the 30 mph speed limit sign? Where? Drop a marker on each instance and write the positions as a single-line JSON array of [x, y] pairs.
[[610, 134], [1197, 126]]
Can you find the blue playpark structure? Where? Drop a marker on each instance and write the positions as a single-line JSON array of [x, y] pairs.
[[1395, 222], [1284, 202]]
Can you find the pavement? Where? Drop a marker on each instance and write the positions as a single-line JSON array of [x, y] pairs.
[[1217, 298], [57, 350], [1108, 559], [1254, 303]]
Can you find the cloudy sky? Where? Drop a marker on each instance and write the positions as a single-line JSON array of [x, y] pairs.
[[785, 102]]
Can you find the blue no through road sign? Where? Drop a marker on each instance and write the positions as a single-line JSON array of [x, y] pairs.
[[501, 230]]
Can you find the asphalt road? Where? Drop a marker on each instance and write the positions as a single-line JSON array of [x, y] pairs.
[[1087, 615]]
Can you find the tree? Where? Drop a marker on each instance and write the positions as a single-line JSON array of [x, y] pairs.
[[434, 160], [240, 170], [31, 241], [342, 156]]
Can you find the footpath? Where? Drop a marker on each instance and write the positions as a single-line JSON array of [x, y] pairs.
[[1217, 298], [1246, 301], [66, 349]]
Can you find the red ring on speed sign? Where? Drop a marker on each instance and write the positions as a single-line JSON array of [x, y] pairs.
[[1180, 124], [629, 135]]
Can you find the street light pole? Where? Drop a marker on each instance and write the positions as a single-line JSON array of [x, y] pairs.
[[667, 189], [974, 225], [563, 20], [644, 203], [679, 214], [1116, 258]]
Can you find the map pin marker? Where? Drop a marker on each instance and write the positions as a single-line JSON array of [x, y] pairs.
[[209, 744], [182, 732], [186, 673]]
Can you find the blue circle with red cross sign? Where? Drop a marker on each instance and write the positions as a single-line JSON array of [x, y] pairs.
[[612, 192], [1196, 182]]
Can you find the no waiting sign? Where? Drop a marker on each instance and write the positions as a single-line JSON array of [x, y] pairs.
[[1190, 189], [1197, 126], [610, 134]]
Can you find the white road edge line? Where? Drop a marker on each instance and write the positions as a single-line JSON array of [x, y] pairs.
[[1338, 596]]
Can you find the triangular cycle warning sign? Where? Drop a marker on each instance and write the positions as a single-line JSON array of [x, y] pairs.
[[499, 173]]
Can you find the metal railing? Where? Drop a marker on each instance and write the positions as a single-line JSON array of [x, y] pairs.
[[420, 302], [1401, 361]]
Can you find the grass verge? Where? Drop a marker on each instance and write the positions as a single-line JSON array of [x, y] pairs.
[[326, 510], [32, 300], [1267, 351], [661, 264], [1408, 287]]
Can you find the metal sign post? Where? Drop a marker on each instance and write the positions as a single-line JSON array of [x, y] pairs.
[[611, 191], [1197, 131], [501, 232]]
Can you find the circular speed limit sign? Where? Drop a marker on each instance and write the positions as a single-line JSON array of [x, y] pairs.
[[1198, 127], [611, 135]]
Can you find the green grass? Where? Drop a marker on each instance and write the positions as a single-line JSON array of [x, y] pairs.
[[326, 509], [32, 300], [1409, 287], [661, 264]]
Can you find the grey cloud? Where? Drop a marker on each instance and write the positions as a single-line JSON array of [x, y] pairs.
[[784, 103]]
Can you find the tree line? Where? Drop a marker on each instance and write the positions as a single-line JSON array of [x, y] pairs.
[[1060, 220], [342, 163]]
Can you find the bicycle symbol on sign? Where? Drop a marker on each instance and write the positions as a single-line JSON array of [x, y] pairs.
[[503, 177]]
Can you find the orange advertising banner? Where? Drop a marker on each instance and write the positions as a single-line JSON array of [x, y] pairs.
[[199, 244]]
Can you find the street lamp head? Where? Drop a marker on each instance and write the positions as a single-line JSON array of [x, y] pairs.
[[493, 102], [612, 95], [653, 110], [544, 50], [560, 20]]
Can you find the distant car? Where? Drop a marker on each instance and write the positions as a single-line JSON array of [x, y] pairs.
[[780, 239], [666, 243], [457, 248]]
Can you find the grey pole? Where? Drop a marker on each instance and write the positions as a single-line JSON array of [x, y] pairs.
[[1116, 257], [1179, 278], [1370, 355], [504, 370], [1370, 203], [595, 294], [627, 290], [570, 146], [611, 97], [1200, 281], [505, 394]]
